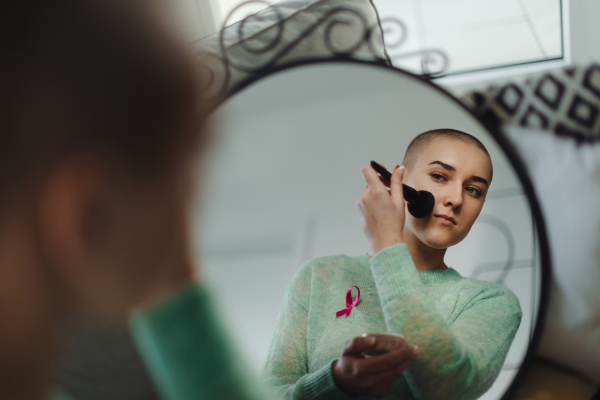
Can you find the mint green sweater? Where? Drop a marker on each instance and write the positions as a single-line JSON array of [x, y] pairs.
[[188, 353], [463, 327]]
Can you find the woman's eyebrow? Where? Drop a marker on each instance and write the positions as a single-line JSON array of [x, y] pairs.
[[451, 168], [446, 166], [481, 180]]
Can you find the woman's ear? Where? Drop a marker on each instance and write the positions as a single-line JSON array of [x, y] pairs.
[[71, 205]]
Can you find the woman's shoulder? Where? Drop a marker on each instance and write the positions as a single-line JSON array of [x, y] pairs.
[[490, 292]]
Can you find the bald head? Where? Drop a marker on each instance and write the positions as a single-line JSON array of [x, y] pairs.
[[420, 142]]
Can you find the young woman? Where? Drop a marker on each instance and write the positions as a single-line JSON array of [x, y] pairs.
[[101, 125], [457, 330]]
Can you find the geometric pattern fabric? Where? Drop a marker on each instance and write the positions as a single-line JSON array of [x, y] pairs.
[[565, 101]]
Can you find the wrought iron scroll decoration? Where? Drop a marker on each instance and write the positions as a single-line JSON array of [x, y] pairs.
[[218, 67], [326, 18], [429, 57], [226, 61]]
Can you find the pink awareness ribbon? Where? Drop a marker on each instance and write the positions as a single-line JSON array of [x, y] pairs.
[[349, 302]]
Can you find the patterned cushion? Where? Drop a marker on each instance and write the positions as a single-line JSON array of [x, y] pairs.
[[564, 101], [553, 121]]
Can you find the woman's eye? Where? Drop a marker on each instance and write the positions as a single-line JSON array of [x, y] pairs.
[[474, 191], [438, 177]]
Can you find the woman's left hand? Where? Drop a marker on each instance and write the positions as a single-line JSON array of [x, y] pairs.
[[382, 212]]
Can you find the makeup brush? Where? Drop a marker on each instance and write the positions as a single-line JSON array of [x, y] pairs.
[[420, 203]]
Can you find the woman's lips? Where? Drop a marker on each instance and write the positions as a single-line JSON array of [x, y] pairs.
[[446, 220]]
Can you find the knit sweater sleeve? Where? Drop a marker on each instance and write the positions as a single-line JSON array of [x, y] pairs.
[[188, 352], [458, 359], [286, 368]]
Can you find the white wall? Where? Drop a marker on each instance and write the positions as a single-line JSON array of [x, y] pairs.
[[585, 30]]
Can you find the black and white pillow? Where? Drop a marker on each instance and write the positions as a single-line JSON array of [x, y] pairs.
[[566, 178], [564, 101], [553, 120]]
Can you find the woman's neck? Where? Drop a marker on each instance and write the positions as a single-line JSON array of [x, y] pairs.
[[424, 257]]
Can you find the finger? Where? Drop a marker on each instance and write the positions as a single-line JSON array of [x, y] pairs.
[[363, 195], [409, 354], [381, 383], [371, 177], [383, 378], [396, 186], [358, 345], [388, 361], [408, 361]]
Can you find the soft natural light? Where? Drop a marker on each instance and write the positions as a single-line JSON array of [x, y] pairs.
[[476, 34], [472, 34]]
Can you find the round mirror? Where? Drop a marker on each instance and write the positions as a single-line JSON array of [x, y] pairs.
[[285, 175]]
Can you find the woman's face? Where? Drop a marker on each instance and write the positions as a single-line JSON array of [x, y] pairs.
[[458, 175]]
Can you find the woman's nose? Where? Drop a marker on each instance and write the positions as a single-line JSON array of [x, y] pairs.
[[453, 197]]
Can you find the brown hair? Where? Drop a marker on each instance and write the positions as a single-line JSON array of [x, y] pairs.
[[98, 74], [416, 145]]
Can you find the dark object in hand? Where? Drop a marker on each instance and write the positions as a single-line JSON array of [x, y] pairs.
[[420, 203]]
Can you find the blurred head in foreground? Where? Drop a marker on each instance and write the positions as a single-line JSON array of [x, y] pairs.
[[101, 121]]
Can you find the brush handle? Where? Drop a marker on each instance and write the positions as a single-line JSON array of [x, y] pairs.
[[411, 196], [420, 204]]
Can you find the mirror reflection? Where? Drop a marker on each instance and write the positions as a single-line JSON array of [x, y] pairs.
[[294, 218]]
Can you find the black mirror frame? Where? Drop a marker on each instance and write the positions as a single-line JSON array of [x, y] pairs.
[[513, 157]]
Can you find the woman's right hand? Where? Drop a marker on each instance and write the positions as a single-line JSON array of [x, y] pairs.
[[382, 212], [356, 375]]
